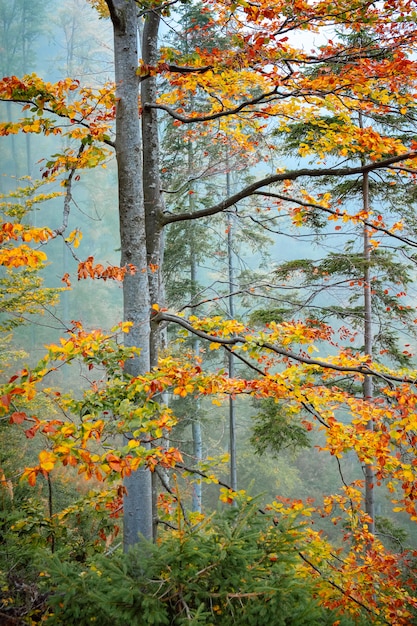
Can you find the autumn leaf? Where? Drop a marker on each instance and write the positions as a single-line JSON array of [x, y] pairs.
[[47, 460], [17, 417], [30, 474], [114, 462], [74, 238]]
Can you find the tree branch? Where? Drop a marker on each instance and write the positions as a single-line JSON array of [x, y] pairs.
[[115, 15], [188, 69], [68, 198], [250, 190], [213, 116], [160, 7], [304, 403], [371, 225], [173, 494], [79, 122], [363, 369]]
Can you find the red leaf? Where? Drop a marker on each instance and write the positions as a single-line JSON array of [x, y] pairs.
[[5, 400], [31, 432], [18, 417]]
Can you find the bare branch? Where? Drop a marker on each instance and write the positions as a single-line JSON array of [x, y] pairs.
[[179, 69], [68, 197], [189, 69], [371, 225], [160, 7]]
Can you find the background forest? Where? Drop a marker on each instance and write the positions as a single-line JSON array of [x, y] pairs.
[[208, 318]]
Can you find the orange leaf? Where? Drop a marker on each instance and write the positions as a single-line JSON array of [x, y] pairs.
[[30, 474], [31, 432], [18, 417], [114, 462], [66, 279]]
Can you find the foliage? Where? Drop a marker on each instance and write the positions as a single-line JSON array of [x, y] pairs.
[[23, 293], [274, 429], [247, 567], [235, 567]]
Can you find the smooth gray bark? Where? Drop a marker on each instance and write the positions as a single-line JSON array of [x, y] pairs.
[[136, 300], [368, 385], [152, 196], [197, 486], [196, 423], [197, 497], [153, 202], [368, 390], [232, 407]]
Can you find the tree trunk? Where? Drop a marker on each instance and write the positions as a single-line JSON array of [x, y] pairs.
[[153, 202], [368, 386], [232, 413], [368, 390], [196, 423], [136, 300], [152, 196]]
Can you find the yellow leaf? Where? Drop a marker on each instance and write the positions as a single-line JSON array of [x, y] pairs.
[[75, 237], [47, 460]]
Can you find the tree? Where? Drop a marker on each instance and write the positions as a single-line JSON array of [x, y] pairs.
[[23, 293]]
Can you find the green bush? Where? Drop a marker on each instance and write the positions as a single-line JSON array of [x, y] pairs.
[[235, 568]]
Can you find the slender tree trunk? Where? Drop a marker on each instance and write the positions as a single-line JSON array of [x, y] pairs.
[[232, 407], [136, 300], [152, 196], [368, 390], [197, 443], [51, 512], [196, 423], [153, 200]]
